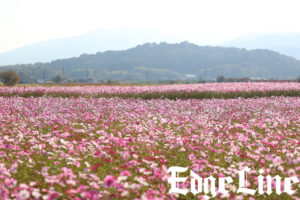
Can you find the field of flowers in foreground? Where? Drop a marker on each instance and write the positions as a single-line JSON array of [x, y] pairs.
[[184, 91], [97, 148]]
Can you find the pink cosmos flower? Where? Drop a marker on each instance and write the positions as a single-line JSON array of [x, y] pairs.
[[109, 180], [125, 173], [192, 157]]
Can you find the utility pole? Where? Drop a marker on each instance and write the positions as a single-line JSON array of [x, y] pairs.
[[87, 74], [63, 71], [147, 74], [33, 72], [260, 74], [44, 75], [205, 75]]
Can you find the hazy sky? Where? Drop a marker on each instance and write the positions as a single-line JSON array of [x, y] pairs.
[[201, 21]]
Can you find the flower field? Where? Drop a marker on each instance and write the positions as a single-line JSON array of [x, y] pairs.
[[121, 148], [195, 91]]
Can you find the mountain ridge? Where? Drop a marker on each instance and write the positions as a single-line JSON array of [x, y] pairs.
[[165, 61]]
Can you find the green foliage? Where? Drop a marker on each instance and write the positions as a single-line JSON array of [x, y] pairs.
[[168, 95], [242, 79], [10, 78]]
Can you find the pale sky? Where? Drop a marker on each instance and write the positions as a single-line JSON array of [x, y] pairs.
[[24, 22]]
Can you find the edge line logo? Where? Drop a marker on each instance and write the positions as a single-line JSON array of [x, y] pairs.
[[202, 185]]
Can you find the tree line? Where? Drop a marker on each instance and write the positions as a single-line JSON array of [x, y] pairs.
[[11, 78]]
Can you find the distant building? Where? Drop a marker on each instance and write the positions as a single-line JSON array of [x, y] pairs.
[[40, 81], [190, 76], [49, 82]]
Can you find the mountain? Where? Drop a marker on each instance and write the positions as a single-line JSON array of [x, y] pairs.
[[166, 61], [90, 42], [288, 43]]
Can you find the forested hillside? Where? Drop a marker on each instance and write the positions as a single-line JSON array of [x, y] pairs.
[[165, 61]]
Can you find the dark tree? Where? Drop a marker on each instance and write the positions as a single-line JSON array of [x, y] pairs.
[[221, 79], [10, 78], [57, 79]]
